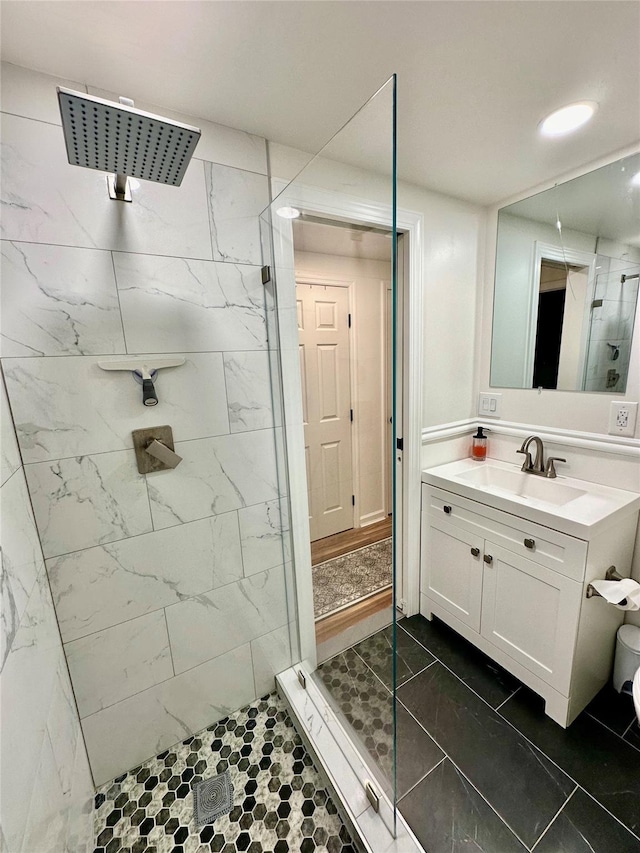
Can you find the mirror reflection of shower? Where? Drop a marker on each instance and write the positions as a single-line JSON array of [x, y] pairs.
[[611, 327]]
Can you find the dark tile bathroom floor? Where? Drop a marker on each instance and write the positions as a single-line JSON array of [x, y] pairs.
[[280, 803], [480, 767]]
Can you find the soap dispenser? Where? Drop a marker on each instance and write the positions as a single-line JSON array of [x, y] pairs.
[[479, 445]]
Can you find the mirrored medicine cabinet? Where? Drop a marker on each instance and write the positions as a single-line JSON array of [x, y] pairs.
[[566, 284]]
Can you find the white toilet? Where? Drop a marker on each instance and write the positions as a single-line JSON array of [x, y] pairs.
[[626, 669]]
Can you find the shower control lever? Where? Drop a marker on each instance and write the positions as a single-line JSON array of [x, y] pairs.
[[160, 451]]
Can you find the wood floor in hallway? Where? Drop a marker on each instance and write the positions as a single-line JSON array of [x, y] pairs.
[[349, 540]]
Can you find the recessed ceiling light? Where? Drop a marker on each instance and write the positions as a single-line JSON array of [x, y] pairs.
[[288, 212], [568, 118], [635, 180]]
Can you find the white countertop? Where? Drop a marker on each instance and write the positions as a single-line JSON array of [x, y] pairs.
[[572, 506]]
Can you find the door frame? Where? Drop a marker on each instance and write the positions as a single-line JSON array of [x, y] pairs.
[[344, 283], [337, 205], [549, 252]]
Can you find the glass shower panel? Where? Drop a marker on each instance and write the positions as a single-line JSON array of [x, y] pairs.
[[329, 242]]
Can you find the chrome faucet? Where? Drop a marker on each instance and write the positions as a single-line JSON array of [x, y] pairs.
[[537, 466]]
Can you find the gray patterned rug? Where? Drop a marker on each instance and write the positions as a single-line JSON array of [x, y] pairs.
[[345, 580]]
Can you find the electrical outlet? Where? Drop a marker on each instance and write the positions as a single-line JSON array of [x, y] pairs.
[[489, 405], [622, 418]]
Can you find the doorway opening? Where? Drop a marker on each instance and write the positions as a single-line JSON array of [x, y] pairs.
[[344, 316]]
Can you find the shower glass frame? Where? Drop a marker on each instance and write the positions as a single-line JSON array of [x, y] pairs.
[[319, 189]]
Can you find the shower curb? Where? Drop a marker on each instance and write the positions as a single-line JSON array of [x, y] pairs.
[[335, 757]]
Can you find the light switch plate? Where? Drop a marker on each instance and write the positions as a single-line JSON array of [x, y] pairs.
[[490, 405], [622, 418]]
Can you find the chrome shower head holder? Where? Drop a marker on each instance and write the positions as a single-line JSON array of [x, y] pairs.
[[117, 138]]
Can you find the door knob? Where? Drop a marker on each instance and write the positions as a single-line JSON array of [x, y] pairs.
[[475, 552], [488, 559]]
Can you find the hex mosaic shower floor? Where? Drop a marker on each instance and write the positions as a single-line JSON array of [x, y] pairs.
[[280, 803]]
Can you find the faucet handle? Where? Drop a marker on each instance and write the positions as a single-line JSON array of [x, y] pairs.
[[527, 465], [550, 470]]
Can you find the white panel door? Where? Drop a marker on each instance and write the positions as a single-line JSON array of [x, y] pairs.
[[323, 329]]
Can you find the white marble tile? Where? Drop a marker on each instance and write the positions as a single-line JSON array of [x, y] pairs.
[[46, 200], [172, 304], [70, 407], [27, 686], [218, 143], [58, 300], [88, 500], [236, 199], [261, 535], [216, 475], [31, 94], [271, 655], [223, 619], [21, 558], [103, 586], [80, 837], [248, 391], [122, 736], [46, 829], [111, 665], [63, 726], [9, 453]]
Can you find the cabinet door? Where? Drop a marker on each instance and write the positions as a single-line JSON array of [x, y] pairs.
[[531, 613], [453, 570]]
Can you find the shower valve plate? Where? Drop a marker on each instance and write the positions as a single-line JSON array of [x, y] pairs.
[[142, 438]]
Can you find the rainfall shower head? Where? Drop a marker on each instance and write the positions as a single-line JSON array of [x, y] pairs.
[[118, 138]]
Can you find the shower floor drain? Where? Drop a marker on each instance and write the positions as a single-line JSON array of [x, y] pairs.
[[212, 798]]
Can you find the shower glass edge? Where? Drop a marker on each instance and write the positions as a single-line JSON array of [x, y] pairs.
[[352, 179]]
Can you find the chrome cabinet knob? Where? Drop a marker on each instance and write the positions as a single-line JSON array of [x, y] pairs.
[[530, 543], [488, 559], [475, 552], [447, 509]]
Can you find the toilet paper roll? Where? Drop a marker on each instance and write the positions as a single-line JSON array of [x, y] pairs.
[[616, 591]]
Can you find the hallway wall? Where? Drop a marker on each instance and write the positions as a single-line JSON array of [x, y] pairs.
[[169, 589]]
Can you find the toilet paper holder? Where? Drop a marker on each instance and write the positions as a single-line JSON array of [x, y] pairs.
[[610, 575]]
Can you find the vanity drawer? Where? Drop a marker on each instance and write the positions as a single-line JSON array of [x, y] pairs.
[[557, 551]]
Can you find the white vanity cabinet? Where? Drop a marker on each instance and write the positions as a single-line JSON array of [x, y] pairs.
[[517, 590]]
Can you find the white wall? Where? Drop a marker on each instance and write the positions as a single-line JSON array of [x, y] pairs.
[[47, 790], [169, 589], [369, 280]]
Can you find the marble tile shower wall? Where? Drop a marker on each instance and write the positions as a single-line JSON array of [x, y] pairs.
[[169, 589], [612, 322], [47, 791]]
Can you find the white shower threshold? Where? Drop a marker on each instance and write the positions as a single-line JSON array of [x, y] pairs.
[[343, 768]]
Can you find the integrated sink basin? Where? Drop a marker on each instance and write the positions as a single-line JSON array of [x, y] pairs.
[[517, 484], [571, 506]]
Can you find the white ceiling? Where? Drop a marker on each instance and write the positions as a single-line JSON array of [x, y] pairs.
[[475, 76], [605, 203], [340, 240]]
